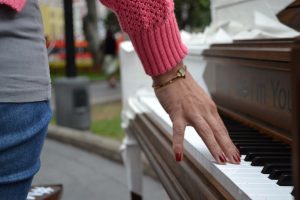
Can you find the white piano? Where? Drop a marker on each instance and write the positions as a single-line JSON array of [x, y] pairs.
[[240, 77]]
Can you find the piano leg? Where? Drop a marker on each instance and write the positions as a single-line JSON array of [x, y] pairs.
[[131, 154]]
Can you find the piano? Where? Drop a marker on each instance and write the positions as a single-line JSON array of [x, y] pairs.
[[255, 84], [45, 192]]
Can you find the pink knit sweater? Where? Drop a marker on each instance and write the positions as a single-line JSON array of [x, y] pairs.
[[152, 28], [15, 4]]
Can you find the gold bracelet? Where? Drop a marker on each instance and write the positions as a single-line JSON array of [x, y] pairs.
[[180, 74]]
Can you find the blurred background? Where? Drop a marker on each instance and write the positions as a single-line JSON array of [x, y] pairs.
[[92, 21], [90, 96], [70, 156]]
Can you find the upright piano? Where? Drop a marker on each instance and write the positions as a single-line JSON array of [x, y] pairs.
[[256, 86]]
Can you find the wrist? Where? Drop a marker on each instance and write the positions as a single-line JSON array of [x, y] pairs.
[[160, 79]]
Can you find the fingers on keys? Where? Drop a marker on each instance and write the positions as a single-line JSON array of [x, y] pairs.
[[178, 137], [222, 137], [214, 135], [207, 135]]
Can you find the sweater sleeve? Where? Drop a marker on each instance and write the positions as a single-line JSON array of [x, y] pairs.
[[153, 30], [14, 4]]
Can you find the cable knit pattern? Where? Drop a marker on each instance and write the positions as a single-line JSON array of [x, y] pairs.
[[152, 28], [15, 4]]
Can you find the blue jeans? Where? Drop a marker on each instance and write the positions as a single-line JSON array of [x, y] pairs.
[[23, 127]]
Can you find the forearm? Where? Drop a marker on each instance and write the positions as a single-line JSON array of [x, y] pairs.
[[153, 30], [16, 5]]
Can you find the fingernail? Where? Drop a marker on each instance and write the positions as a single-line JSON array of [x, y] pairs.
[[222, 159], [178, 157], [238, 153], [235, 157]]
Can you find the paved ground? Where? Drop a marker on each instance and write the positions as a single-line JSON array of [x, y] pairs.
[[86, 176], [100, 92]]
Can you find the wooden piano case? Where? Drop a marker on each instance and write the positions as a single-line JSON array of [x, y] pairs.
[[257, 62], [255, 82], [187, 180], [290, 15]]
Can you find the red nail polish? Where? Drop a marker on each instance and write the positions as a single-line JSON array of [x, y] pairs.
[[222, 158], [235, 157], [178, 157]]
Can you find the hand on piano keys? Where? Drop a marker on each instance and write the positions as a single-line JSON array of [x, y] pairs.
[[188, 104]]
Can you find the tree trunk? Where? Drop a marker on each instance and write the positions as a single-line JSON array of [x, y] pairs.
[[90, 29]]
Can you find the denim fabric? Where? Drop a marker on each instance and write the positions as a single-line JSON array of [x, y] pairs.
[[15, 191], [23, 127]]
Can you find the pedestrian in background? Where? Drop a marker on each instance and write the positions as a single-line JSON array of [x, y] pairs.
[[110, 63], [25, 85]]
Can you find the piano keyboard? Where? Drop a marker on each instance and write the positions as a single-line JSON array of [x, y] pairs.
[[265, 169], [260, 150]]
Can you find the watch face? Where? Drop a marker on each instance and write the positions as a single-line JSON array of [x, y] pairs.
[[181, 71]]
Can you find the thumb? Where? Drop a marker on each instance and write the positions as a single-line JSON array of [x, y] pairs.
[[178, 137]]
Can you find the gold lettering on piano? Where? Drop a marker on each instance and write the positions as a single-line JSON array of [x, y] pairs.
[[259, 92], [281, 96]]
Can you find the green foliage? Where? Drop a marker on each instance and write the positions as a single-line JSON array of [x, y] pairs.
[[193, 14], [108, 127], [93, 76], [106, 120]]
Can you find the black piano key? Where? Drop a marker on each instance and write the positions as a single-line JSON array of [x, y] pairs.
[[240, 133], [236, 134], [228, 120], [257, 141], [251, 155], [269, 167], [262, 150], [238, 128], [244, 133], [261, 161], [245, 150], [276, 173], [248, 137], [235, 124], [257, 144], [253, 140], [285, 179]]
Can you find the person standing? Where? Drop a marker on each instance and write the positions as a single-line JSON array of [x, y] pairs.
[[110, 63], [24, 96]]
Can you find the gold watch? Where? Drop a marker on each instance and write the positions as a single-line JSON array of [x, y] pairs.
[[180, 74]]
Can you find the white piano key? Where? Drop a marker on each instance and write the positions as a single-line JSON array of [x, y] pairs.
[[273, 197], [242, 181], [252, 183]]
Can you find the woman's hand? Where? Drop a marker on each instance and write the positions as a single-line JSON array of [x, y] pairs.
[[188, 105]]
